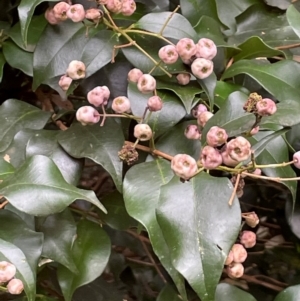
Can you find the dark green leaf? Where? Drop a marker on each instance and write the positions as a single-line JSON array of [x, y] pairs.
[[141, 195], [27, 218], [37, 298], [282, 4], [227, 292], [208, 85], [6, 169], [40, 180], [17, 115], [195, 217], [293, 16], [96, 143], [167, 294], [291, 293], [2, 63], [293, 137], [59, 233], [91, 252]]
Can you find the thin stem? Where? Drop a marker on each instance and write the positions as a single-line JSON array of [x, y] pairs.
[[3, 204], [229, 63], [3, 289], [275, 179], [168, 20], [104, 115], [275, 165], [119, 47], [288, 46], [238, 177], [149, 34]]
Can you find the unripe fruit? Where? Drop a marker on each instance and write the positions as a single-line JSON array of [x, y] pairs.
[[87, 115], [121, 104], [98, 96], [186, 48], [198, 110], [206, 49], [216, 136], [202, 68], [184, 166], [76, 70], [210, 157], [229, 258], [227, 160], [65, 82], [128, 7], [248, 239], [192, 132], [168, 54], [115, 6], [15, 287], [266, 107], [154, 103], [254, 130], [50, 17], [239, 253], [134, 75], [7, 271], [239, 149], [146, 83], [60, 11], [296, 159], [235, 270], [93, 14], [142, 132], [76, 13], [203, 118], [183, 78], [251, 219]]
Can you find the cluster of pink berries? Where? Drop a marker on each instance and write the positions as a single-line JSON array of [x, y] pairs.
[[7, 274], [238, 254], [125, 7]]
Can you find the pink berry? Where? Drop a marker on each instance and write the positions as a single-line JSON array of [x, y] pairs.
[[60, 11], [142, 132], [251, 219], [202, 68], [134, 75], [206, 49], [65, 82], [229, 258], [115, 6], [296, 159], [216, 136], [93, 14], [227, 160], [204, 117], [266, 107], [210, 157], [50, 17], [254, 131], [184, 166], [76, 70], [154, 103], [128, 7], [7, 271], [239, 253], [192, 132], [98, 96], [248, 239], [198, 110], [168, 54], [15, 287], [87, 115], [183, 78], [239, 149], [186, 48], [121, 104], [235, 270], [76, 13], [146, 84]]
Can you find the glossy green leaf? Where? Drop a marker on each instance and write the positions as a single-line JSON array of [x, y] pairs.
[[91, 251], [141, 205], [293, 137], [172, 25], [59, 233], [293, 16], [6, 169], [291, 293], [195, 217], [2, 63], [44, 142], [39, 179], [278, 78], [227, 292], [167, 294], [27, 218], [208, 85], [17, 115], [96, 143], [18, 58], [162, 121], [26, 9]]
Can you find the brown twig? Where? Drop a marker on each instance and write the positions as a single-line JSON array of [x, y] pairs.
[[253, 279], [238, 177], [3, 204], [140, 237], [229, 63], [140, 261], [287, 46]]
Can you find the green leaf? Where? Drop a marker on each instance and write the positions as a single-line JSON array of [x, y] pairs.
[[26, 9], [208, 85], [91, 251], [185, 93], [177, 27], [27, 218], [141, 195], [2, 63], [291, 293], [293, 137], [227, 292], [167, 294], [17, 115], [18, 58], [282, 4], [195, 217], [44, 142], [96, 143], [37, 298], [6, 169], [59, 233], [293, 16], [39, 179], [162, 121], [278, 78]]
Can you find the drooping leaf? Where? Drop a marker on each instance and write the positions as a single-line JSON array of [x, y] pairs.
[[6, 169], [17, 115], [291, 293], [194, 218], [91, 252], [141, 195], [227, 292], [98, 144], [40, 180], [208, 85], [27, 218], [2, 63], [293, 16]]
